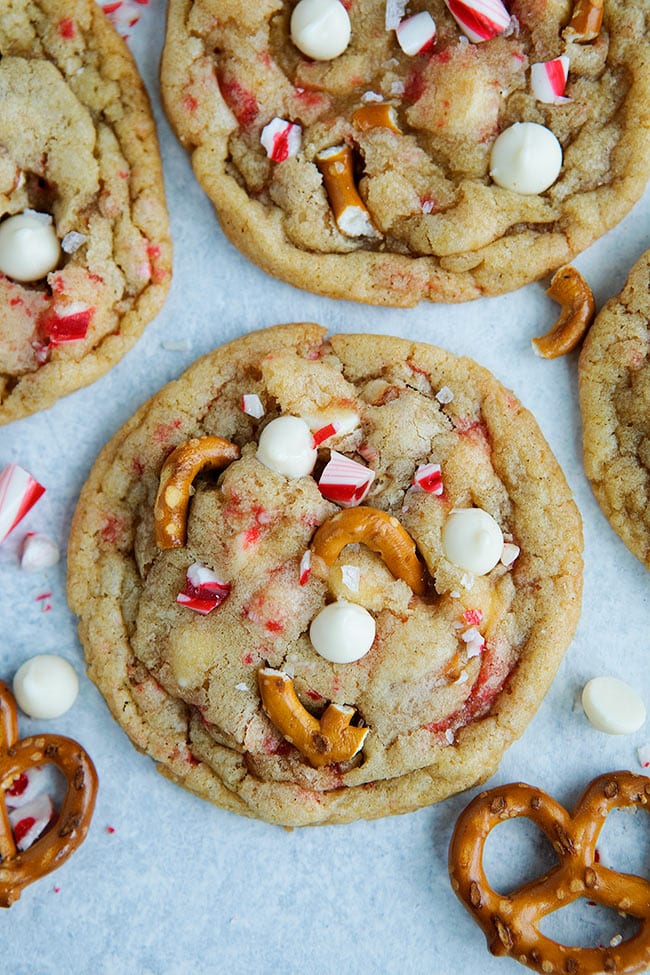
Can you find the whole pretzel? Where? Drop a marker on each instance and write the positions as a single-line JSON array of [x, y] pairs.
[[511, 921], [380, 532], [18, 870]]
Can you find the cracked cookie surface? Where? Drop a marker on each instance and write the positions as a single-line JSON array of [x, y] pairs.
[[454, 673], [78, 148], [614, 377], [444, 230]]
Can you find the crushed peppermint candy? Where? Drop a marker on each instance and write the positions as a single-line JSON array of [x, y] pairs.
[[123, 14], [643, 754], [474, 640], [38, 552], [480, 20], [548, 80], [345, 481], [509, 554], [25, 787], [615, 941], [324, 433], [305, 568], [467, 580], [203, 591], [416, 34], [371, 96], [444, 395], [462, 678], [473, 617], [350, 576], [67, 324], [281, 139], [428, 477], [394, 13], [19, 492], [252, 405], [449, 735], [30, 821], [72, 241]]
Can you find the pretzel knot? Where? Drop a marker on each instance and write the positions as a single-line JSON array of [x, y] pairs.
[[68, 831], [511, 922]]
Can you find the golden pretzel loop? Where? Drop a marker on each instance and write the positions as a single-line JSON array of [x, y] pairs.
[[68, 831], [511, 921]]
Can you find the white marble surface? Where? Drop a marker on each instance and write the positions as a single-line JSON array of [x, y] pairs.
[[182, 887]]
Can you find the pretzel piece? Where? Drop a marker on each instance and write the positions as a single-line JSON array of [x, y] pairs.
[[176, 476], [570, 289], [511, 922], [350, 212], [322, 742], [380, 532], [18, 870], [376, 115], [586, 21]]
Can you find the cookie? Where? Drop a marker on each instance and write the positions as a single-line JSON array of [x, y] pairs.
[[85, 254], [614, 385], [423, 162], [325, 579]]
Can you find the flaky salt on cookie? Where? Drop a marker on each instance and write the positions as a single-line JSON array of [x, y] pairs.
[[325, 579], [385, 155], [85, 254]]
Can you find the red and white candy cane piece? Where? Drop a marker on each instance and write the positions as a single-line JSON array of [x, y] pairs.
[[548, 80], [324, 433], [428, 477], [345, 481], [123, 14], [67, 324], [305, 568], [25, 787], [252, 405], [474, 640], [480, 20], [509, 554], [281, 139], [32, 819], [204, 590], [416, 34], [18, 493]]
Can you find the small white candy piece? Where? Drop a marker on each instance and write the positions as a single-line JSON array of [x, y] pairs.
[[45, 686], [38, 552], [342, 632], [28, 822], [416, 34], [281, 139], [613, 706], [320, 29], [286, 445], [472, 540], [526, 158], [29, 247]]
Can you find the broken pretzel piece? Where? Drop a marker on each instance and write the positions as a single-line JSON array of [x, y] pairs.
[[350, 212], [176, 476], [586, 21], [322, 742], [570, 289], [380, 532], [376, 115]]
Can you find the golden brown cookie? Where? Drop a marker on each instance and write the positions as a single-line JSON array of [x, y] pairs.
[[326, 579], [615, 403], [371, 175], [85, 254]]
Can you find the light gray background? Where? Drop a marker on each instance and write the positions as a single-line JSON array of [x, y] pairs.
[[181, 887]]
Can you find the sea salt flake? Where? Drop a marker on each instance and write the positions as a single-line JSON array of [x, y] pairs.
[[643, 754], [351, 575], [444, 395], [394, 13], [371, 96], [241, 687], [449, 735], [72, 241], [467, 580]]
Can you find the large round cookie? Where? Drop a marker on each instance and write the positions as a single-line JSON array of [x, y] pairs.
[[443, 230], [454, 674], [614, 377], [78, 148]]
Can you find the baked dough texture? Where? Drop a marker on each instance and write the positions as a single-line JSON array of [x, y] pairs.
[[446, 231], [184, 686], [77, 143], [614, 387]]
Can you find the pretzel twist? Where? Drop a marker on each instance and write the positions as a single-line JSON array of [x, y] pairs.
[[380, 532], [19, 869], [511, 922]]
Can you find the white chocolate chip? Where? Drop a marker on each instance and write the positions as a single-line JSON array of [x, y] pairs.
[[472, 540], [29, 247], [526, 158], [613, 706], [320, 29], [45, 686], [342, 632], [286, 445]]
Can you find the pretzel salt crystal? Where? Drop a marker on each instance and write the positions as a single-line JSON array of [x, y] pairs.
[[380, 532], [511, 921], [19, 869], [176, 476]]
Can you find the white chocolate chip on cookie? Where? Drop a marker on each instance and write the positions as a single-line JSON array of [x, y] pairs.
[[320, 29], [286, 445], [342, 632], [526, 158], [472, 540], [29, 247]]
